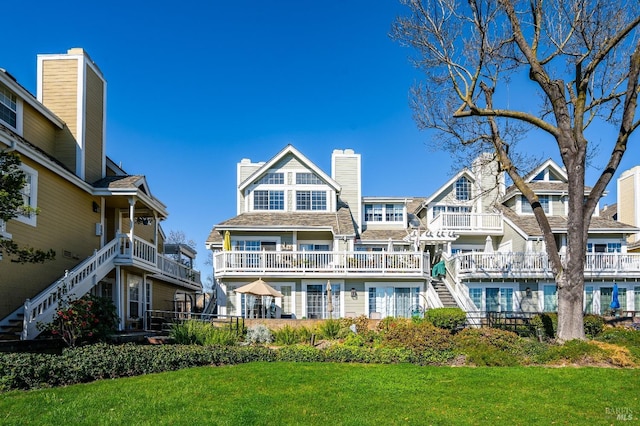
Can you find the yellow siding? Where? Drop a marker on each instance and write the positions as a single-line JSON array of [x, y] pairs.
[[60, 89], [162, 296], [626, 201], [72, 236], [38, 130], [94, 126]]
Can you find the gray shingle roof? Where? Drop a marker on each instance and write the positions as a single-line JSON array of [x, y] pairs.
[[529, 225], [340, 222], [118, 182]]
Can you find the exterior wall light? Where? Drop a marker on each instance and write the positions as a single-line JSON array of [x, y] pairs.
[[528, 291], [354, 293]]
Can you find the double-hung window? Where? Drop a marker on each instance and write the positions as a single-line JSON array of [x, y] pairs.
[[29, 195], [8, 107], [525, 207], [268, 200], [311, 200], [393, 212], [383, 212]]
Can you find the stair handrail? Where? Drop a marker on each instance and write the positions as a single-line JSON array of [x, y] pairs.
[[462, 299], [42, 306]]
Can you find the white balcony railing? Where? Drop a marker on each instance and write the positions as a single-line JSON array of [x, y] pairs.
[[254, 262], [467, 222], [538, 263]]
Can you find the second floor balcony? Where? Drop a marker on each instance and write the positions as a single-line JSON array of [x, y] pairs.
[[537, 265], [320, 263], [468, 223]]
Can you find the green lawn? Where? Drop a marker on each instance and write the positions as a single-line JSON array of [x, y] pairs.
[[328, 394]]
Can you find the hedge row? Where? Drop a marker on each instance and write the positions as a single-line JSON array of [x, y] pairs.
[[102, 361]]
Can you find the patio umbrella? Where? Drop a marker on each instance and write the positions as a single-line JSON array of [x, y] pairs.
[[226, 244], [259, 288], [615, 302], [329, 301]]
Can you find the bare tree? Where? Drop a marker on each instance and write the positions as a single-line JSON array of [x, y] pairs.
[[582, 58]]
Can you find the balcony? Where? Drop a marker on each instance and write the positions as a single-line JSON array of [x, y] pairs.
[[320, 263], [144, 255], [468, 223], [537, 265]]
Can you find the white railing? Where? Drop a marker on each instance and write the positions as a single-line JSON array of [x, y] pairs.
[[538, 263], [252, 262], [76, 282], [175, 269], [467, 222]]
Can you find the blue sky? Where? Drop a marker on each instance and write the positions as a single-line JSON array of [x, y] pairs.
[[195, 86]]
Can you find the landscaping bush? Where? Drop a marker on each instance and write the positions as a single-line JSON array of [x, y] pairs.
[[258, 334], [102, 361], [547, 322], [361, 322], [203, 333], [88, 319], [490, 346], [423, 336], [448, 318], [593, 325], [299, 353], [329, 329], [286, 335], [625, 337], [573, 352]]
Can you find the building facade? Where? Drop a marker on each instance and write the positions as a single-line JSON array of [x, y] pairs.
[[332, 252], [103, 223]]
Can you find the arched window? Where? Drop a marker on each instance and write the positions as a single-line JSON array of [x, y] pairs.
[[463, 189]]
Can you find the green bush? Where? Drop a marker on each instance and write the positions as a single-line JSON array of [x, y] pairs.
[[448, 318], [490, 346], [203, 333], [329, 329], [593, 325], [102, 361], [547, 323], [88, 319], [300, 353], [573, 351], [403, 333], [361, 322], [286, 335], [624, 337]]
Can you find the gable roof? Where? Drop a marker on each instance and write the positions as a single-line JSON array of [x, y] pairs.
[[289, 150], [550, 164], [464, 172]]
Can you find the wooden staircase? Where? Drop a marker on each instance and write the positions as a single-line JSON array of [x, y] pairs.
[[444, 294]]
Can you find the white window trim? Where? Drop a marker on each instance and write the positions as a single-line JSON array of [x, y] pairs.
[[413, 284], [19, 114], [32, 219], [3, 230], [301, 188], [334, 283], [522, 200], [384, 214]]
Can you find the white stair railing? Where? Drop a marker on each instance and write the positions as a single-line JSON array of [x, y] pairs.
[[75, 283]]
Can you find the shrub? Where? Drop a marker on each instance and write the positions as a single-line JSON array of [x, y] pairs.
[[258, 334], [90, 318], [490, 346], [422, 336], [361, 322], [330, 329], [202, 333], [300, 353], [593, 325], [573, 351], [286, 335], [547, 322], [448, 318]]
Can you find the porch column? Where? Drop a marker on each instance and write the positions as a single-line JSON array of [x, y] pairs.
[[132, 214], [118, 294]]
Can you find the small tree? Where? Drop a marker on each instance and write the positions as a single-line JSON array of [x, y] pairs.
[[12, 181]]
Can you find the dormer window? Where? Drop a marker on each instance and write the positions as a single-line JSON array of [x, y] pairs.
[[383, 212], [525, 207], [8, 107], [463, 189], [271, 178]]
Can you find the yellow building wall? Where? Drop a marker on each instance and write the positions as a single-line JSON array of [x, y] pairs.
[[66, 224], [38, 130], [60, 95], [94, 126]]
